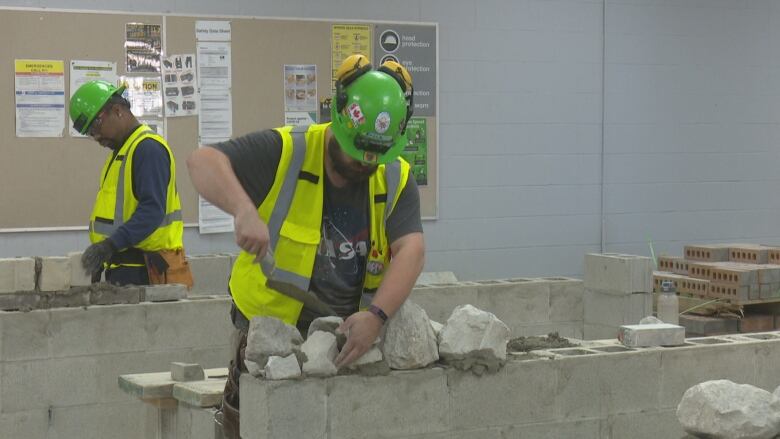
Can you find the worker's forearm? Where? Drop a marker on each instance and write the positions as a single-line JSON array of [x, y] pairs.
[[214, 179], [401, 275]]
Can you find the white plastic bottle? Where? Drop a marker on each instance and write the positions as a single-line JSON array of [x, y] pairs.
[[668, 304]]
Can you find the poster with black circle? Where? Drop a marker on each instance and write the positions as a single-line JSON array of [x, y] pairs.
[[414, 47]]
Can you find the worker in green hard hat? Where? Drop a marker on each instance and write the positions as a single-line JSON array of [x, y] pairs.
[[136, 225], [335, 205]]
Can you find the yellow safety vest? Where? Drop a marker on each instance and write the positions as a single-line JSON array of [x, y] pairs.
[[116, 203], [293, 212]]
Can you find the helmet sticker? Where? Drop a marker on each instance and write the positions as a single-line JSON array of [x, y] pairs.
[[382, 122], [356, 114], [370, 157]]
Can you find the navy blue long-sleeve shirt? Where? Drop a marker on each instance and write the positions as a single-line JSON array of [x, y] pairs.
[[151, 175]]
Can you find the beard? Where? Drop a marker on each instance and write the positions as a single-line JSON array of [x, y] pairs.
[[352, 170]]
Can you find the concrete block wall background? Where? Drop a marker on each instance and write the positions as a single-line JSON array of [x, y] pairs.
[[606, 392], [59, 367]]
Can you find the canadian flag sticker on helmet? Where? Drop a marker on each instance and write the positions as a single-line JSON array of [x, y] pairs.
[[356, 114], [382, 122]]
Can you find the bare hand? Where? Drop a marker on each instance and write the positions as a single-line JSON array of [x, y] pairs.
[[362, 329], [251, 232]]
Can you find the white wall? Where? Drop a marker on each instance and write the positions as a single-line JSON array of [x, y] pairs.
[[682, 92]]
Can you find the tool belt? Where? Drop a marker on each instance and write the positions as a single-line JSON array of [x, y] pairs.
[[168, 267]]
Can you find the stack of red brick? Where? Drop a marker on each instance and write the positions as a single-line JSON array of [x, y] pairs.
[[741, 273]]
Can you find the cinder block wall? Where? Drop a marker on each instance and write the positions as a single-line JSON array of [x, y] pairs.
[[59, 367], [528, 306], [601, 391]]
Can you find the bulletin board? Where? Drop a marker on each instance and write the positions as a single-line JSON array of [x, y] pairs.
[[51, 182]]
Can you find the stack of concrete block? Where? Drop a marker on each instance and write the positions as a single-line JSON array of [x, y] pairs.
[[774, 256], [210, 274], [769, 281], [736, 282], [618, 291]]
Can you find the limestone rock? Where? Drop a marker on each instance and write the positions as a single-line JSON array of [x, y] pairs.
[[437, 327], [320, 351], [721, 409], [328, 324], [409, 341], [268, 337], [254, 369], [473, 339], [282, 368], [371, 363]]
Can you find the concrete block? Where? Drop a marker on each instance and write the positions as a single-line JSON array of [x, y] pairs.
[[55, 273], [32, 424], [593, 386], [566, 301], [656, 334], [206, 393], [768, 274], [358, 406], [592, 331], [97, 330], [72, 381], [206, 322], [618, 272], [98, 421], [272, 409], [731, 292], [24, 385], [515, 303], [734, 275], [24, 336], [644, 425], [528, 387], [194, 422], [706, 325], [757, 323], [436, 277], [69, 298], [17, 274], [685, 367], [78, 277], [767, 357], [107, 294], [23, 301], [616, 310], [186, 372], [439, 300], [157, 385], [165, 293], [768, 291], [210, 274]]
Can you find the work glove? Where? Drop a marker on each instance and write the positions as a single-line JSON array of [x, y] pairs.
[[96, 255]]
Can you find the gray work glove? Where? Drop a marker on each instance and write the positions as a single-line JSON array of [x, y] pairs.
[[96, 255]]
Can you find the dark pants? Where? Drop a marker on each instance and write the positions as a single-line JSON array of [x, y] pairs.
[[127, 276], [231, 420]]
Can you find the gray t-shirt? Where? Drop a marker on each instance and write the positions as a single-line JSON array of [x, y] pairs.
[[340, 264]]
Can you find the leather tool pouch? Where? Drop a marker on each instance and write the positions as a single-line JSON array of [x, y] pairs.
[[168, 267]]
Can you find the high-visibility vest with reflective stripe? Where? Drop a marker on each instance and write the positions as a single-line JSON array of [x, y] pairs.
[[116, 203], [293, 212]]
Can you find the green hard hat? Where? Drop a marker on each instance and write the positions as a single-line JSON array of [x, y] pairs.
[[369, 118], [87, 102]]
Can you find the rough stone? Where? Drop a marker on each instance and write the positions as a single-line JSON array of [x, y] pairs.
[[722, 409], [328, 324], [282, 368], [409, 341], [372, 363], [437, 327], [254, 369], [474, 339], [320, 351], [268, 337], [187, 372]]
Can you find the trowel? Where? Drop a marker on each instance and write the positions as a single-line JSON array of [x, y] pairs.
[[309, 299]]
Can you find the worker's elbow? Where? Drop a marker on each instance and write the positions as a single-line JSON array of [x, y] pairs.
[[195, 159]]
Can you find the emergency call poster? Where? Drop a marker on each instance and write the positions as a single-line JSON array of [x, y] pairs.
[[40, 97], [143, 47], [416, 150]]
